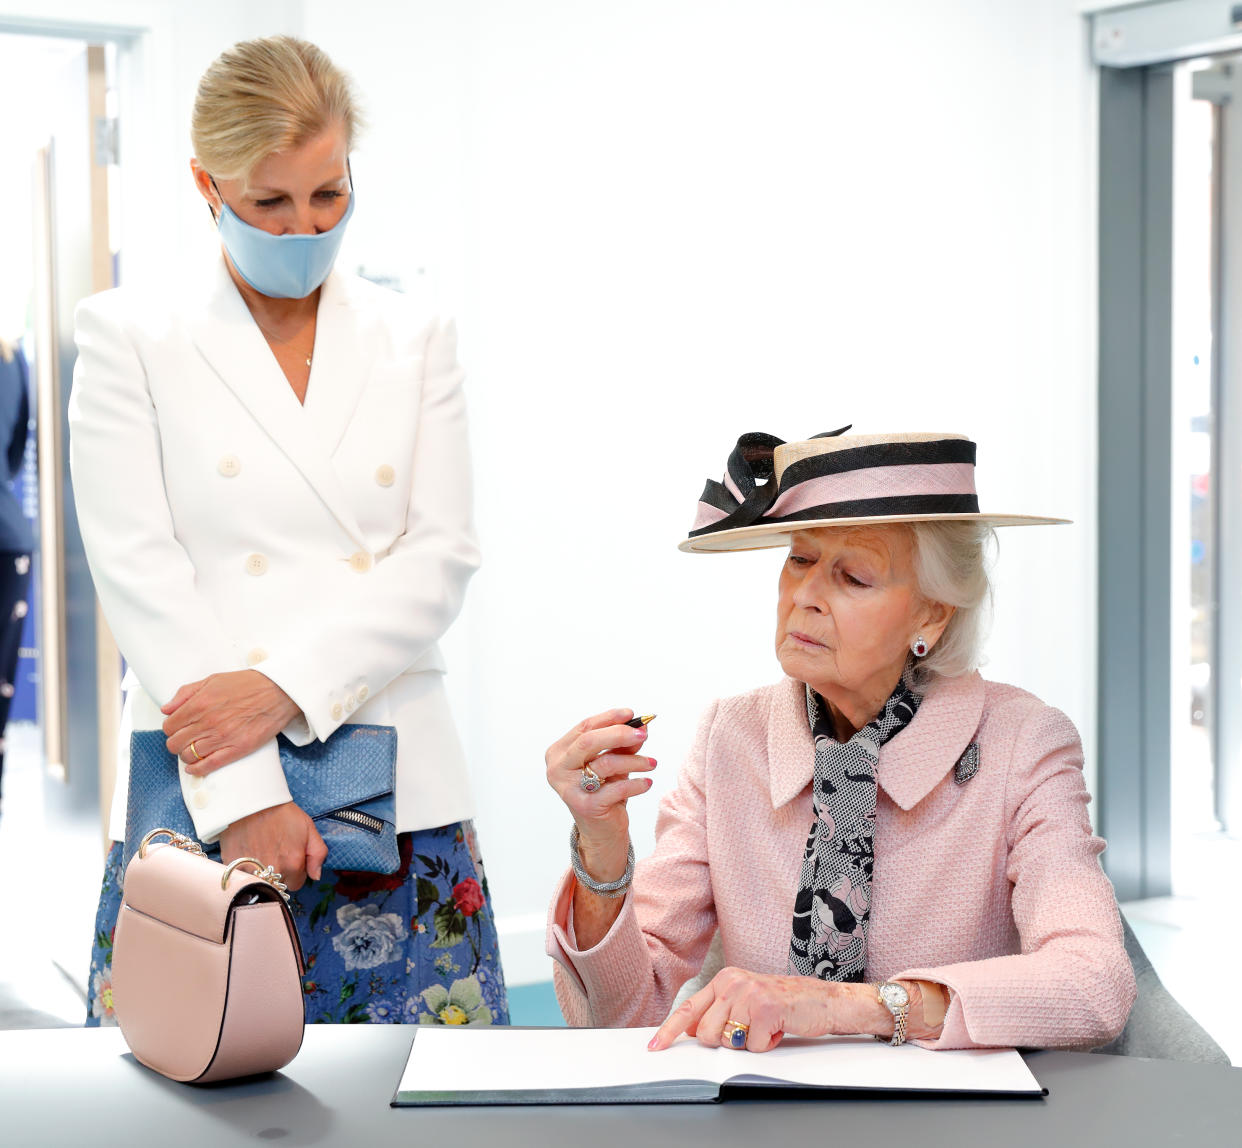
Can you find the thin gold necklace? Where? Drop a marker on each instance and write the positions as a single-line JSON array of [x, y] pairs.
[[284, 342]]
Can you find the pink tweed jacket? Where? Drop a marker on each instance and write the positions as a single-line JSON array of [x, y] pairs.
[[990, 886]]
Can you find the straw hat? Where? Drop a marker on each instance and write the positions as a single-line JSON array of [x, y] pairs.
[[772, 488]]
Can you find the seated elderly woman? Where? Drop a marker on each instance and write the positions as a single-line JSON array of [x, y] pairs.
[[886, 842]]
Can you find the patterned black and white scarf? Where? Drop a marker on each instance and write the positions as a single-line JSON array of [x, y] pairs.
[[833, 907]]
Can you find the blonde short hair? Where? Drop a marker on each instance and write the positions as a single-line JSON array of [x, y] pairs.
[[265, 96]]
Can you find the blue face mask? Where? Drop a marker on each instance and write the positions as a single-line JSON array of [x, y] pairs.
[[280, 266]]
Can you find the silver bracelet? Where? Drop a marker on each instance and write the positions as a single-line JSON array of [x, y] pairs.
[[608, 889]]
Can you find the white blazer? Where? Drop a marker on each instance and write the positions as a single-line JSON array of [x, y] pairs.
[[326, 545]]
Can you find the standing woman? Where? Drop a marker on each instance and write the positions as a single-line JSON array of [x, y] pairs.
[[16, 541], [273, 483]]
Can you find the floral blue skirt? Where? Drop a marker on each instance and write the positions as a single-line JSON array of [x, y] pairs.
[[415, 947]]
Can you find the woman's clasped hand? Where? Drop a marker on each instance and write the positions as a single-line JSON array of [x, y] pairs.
[[222, 718], [219, 720], [284, 836]]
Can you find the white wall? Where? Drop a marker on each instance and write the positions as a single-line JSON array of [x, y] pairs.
[[27, 64], [166, 45], [662, 224], [668, 222]]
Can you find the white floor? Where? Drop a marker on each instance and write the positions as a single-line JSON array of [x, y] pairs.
[[51, 875], [52, 872]]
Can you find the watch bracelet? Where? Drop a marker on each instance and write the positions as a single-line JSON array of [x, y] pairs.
[[609, 889], [900, 1017]]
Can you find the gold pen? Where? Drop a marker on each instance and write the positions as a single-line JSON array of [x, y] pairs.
[[639, 722]]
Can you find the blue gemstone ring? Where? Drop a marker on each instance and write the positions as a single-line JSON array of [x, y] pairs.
[[736, 1034]]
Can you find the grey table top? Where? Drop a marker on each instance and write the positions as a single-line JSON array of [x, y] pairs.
[[81, 1087]]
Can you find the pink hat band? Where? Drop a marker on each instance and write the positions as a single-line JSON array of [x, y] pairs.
[[906, 478]]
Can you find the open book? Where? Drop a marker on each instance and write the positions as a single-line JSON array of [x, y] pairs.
[[613, 1066]]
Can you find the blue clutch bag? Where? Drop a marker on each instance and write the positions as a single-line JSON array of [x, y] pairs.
[[345, 784]]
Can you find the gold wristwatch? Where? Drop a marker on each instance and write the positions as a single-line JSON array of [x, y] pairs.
[[896, 999]]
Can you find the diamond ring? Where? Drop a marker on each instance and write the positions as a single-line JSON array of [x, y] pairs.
[[591, 781]]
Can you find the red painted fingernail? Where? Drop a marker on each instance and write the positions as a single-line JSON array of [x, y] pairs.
[[653, 762], [650, 781]]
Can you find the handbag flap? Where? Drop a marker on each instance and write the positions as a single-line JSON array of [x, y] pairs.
[[183, 890], [356, 764]]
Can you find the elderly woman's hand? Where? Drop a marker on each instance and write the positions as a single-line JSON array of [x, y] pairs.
[[216, 721], [773, 1007], [609, 747]]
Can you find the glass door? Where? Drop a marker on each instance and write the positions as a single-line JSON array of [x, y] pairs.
[[61, 168], [1206, 765]]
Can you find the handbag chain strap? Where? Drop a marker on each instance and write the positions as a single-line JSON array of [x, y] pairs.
[[179, 840], [264, 873], [189, 845]]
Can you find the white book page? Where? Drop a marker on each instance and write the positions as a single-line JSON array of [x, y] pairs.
[[446, 1059]]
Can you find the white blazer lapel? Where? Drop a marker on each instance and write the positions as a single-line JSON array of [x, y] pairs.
[[230, 341], [340, 365]]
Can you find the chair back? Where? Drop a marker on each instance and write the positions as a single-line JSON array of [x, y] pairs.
[[1158, 1027]]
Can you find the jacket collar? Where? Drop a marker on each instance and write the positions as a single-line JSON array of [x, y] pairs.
[[342, 362], [911, 764], [233, 346]]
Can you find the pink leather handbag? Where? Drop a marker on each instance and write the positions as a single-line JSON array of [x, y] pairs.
[[206, 965]]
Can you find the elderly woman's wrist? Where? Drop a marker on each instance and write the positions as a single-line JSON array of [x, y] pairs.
[[871, 1016], [924, 1011], [848, 1008], [604, 858], [928, 1004]]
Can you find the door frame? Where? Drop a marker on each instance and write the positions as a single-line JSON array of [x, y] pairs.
[[85, 760], [1135, 476]]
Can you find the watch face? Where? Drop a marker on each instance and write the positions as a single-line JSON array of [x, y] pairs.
[[894, 996]]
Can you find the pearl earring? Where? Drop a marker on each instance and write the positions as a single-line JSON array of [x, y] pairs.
[[919, 647]]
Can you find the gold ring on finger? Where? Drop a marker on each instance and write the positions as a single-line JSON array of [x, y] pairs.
[[735, 1034], [197, 756], [591, 781]]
